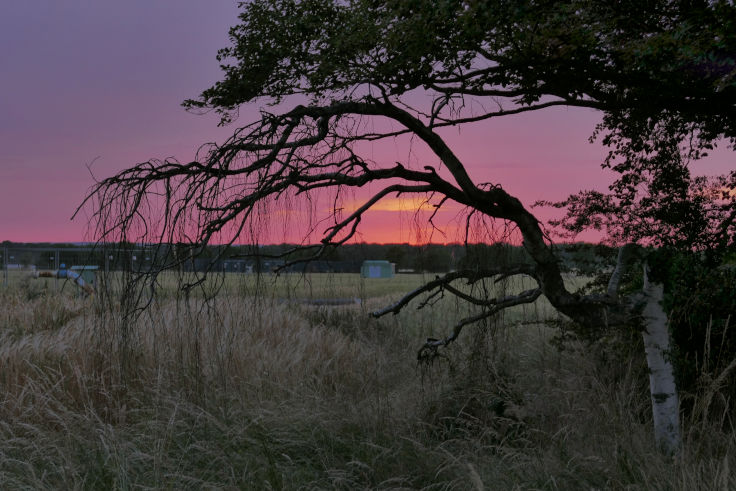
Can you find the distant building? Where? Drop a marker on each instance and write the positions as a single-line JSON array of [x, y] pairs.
[[377, 269]]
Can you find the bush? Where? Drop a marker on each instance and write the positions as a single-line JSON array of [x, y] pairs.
[[701, 302]]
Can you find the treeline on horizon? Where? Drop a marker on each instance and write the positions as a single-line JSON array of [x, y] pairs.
[[435, 258]]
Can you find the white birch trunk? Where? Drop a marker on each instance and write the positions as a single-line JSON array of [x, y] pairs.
[[665, 403]]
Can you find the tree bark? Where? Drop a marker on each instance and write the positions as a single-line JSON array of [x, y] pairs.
[[665, 403]]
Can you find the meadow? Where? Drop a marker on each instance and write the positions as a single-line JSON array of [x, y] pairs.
[[256, 388]]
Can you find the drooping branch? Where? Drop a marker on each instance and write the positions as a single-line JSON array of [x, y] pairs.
[[490, 305], [429, 349], [469, 275], [297, 153], [308, 149], [355, 216], [351, 221]]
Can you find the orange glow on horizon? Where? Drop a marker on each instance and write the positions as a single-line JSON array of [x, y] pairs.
[[401, 204]]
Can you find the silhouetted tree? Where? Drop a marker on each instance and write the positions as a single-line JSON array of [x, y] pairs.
[[331, 76]]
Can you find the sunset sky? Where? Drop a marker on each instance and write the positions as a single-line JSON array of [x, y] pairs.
[[96, 86]]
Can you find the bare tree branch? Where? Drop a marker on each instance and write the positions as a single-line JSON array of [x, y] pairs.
[[429, 349], [308, 149], [471, 276]]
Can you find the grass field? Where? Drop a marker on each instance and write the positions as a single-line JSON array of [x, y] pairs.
[[255, 389], [290, 285]]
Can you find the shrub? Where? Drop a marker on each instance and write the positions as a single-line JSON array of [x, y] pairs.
[[701, 301]]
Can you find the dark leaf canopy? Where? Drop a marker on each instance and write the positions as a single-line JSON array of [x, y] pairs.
[[638, 61], [322, 48]]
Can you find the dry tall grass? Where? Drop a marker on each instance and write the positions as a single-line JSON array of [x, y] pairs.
[[246, 393]]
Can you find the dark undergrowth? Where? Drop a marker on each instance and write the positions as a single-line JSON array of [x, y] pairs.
[[251, 396]]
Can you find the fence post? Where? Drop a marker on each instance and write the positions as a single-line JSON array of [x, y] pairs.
[[58, 265], [5, 266]]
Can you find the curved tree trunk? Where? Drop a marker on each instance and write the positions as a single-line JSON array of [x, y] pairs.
[[665, 403]]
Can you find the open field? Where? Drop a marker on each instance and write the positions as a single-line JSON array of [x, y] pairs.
[[255, 392], [289, 285]]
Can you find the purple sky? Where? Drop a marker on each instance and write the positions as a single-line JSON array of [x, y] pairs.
[[85, 80]]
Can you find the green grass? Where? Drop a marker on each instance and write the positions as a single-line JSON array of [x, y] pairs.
[[254, 392]]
